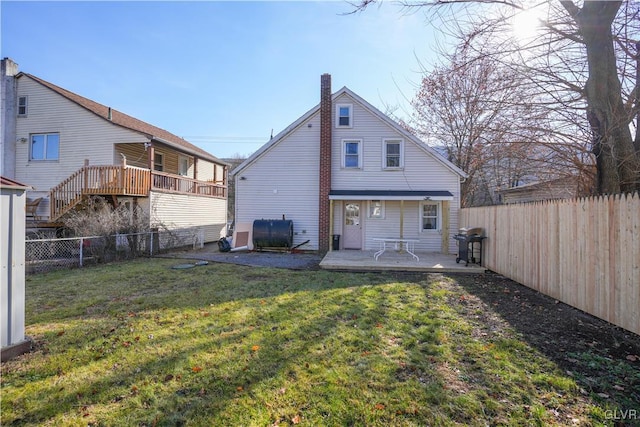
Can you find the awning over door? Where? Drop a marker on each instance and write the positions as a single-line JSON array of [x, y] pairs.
[[389, 195]]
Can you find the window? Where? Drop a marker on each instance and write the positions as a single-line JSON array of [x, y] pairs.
[[393, 154], [158, 162], [22, 106], [352, 153], [343, 113], [45, 146], [430, 216], [183, 166], [376, 209]]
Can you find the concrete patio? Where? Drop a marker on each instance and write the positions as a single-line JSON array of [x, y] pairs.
[[399, 261]]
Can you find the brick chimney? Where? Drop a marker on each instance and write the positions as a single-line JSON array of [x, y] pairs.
[[326, 126]]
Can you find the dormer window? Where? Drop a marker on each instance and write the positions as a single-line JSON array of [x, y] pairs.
[[22, 106], [344, 115]]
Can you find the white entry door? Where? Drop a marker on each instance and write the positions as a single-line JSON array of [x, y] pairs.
[[352, 226]]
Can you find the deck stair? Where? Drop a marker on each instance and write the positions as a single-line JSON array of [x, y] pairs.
[[110, 180]]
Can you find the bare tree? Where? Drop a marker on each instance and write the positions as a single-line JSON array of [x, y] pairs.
[[473, 109], [581, 66]]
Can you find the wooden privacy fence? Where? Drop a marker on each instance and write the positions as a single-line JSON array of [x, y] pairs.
[[584, 252]]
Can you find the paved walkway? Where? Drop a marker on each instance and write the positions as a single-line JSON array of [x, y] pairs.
[[353, 260]]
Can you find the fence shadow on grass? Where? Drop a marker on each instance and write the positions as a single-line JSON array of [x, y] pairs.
[[602, 358]]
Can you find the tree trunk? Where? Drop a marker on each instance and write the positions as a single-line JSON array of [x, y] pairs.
[[618, 167]]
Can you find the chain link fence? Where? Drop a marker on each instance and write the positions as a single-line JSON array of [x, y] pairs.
[[43, 255]]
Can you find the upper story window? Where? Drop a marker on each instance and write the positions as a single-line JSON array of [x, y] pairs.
[[158, 162], [45, 146], [430, 216], [352, 153], [22, 105], [344, 117], [393, 154]]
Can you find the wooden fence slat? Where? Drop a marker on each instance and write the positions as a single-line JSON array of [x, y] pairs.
[[584, 252]]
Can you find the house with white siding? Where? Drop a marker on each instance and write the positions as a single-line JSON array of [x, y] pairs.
[[69, 148], [346, 169]]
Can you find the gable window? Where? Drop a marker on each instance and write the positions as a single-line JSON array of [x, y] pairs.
[[22, 106], [430, 216], [45, 146], [158, 162], [376, 209], [343, 113], [393, 154], [352, 152]]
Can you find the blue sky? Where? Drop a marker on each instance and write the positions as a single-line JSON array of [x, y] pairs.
[[220, 74]]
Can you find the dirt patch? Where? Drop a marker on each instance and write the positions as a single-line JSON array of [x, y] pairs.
[[602, 358]]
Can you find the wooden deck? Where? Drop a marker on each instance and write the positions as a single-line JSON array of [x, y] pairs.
[[355, 260], [113, 180]]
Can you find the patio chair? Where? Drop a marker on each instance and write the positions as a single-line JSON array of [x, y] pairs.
[[32, 208]]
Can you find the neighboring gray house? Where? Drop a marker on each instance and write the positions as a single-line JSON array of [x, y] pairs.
[[68, 148], [561, 188], [345, 168]]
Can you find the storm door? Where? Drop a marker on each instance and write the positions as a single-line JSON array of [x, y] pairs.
[[352, 226]]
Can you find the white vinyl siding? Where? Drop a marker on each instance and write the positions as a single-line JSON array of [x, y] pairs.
[[283, 181], [420, 171], [180, 211], [83, 135]]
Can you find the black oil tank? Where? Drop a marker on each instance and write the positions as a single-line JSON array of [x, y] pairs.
[[272, 233]]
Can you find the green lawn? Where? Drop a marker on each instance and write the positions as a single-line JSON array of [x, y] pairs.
[[141, 344]]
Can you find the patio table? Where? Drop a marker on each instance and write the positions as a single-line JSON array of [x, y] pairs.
[[397, 244]]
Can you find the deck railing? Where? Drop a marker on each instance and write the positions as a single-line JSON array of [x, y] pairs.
[[98, 180], [182, 184], [114, 180]]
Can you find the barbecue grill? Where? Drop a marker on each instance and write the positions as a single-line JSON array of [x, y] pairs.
[[467, 239]]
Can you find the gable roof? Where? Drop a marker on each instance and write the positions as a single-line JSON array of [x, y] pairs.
[[373, 110], [10, 183], [123, 120]]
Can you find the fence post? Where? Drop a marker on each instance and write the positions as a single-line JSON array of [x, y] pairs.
[[81, 250]]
